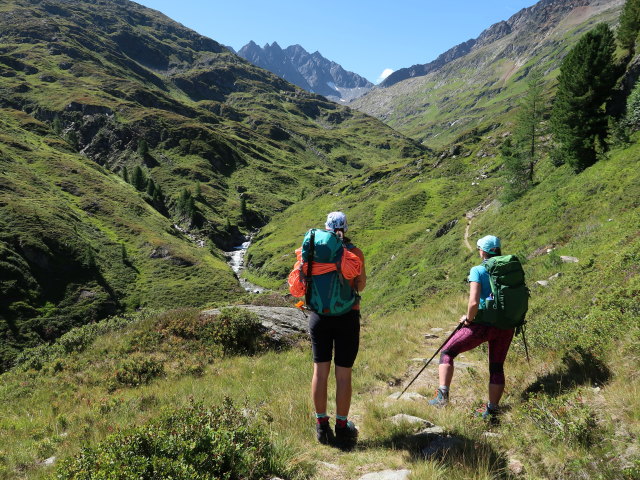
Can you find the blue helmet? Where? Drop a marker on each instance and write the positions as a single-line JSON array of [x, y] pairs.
[[489, 244]]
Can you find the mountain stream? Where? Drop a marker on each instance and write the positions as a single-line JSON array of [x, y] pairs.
[[236, 261]]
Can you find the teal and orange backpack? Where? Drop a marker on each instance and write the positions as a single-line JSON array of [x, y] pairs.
[[322, 272]]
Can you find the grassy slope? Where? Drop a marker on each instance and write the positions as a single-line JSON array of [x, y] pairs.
[[573, 409], [86, 239], [478, 91]]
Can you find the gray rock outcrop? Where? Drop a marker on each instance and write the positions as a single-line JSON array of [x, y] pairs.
[[282, 322], [387, 475]]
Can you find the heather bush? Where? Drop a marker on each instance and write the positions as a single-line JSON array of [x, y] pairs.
[[193, 442], [237, 331], [138, 370]]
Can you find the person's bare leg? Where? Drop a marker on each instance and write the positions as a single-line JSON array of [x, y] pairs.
[[445, 374], [343, 391], [495, 393], [319, 385]]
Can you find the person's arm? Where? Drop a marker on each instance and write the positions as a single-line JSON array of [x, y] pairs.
[[474, 303]]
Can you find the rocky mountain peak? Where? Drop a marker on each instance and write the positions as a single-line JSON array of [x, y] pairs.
[[311, 71]]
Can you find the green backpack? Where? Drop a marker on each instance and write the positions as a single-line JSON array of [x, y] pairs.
[[509, 301]]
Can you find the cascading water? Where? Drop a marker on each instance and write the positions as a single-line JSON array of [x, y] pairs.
[[236, 261]]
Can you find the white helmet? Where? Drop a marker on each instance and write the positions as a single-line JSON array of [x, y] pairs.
[[336, 220]]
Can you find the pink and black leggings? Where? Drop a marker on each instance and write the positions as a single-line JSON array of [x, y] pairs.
[[473, 335]]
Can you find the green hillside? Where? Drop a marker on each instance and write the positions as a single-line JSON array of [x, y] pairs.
[[161, 390], [477, 93], [573, 408], [92, 92]]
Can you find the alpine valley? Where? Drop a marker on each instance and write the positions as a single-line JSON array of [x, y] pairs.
[[135, 152]]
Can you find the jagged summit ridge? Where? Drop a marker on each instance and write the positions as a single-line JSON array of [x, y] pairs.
[[310, 71]]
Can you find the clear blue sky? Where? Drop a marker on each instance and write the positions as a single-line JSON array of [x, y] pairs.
[[363, 37]]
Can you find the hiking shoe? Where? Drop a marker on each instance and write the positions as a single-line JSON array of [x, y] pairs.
[[489, 415], [346, 435], [440, 400], [324, 434]]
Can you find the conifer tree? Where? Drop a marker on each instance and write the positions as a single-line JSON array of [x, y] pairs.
[[632, 117], [578, 120], [528, 125], [125, 174], [243, 207], [520, 152], [57, 125], [629, 25], [143, 148], [151, 187], [138, 179], [516, 171], [72, 139], [186, 205], [158, 200]]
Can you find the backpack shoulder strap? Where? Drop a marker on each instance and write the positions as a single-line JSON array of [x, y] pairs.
[[309, 279]]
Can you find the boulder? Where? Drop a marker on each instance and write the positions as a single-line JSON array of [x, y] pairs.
[[281, 321], [387, 475], [515, 466], [428, 434], [404, 418], [567, 259]]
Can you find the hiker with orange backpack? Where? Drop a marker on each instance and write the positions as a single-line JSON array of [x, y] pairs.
[[330, 273], [498, 302]]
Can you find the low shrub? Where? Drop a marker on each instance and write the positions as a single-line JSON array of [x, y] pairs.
[[138, 370], [183, 322], [147, 341], [237, 331], [75, 340], [189, 443], [566, 418]]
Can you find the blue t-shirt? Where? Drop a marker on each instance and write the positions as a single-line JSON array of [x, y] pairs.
[[479, 274]]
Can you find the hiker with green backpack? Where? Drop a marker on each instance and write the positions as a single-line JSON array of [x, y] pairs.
[[498, 302], [330, 274]]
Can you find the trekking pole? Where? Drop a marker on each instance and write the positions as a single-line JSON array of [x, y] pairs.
[[460, 325]]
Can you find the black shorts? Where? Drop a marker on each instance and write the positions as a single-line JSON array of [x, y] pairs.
[[342, 331]]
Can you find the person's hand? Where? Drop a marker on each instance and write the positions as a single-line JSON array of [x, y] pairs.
[[465, 321]]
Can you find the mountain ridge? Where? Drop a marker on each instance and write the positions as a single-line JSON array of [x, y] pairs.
[[542, 10], [458, 97], [310, 71]]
